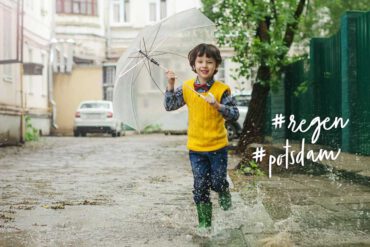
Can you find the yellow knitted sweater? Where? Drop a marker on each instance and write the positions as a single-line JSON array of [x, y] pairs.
[[206, 127]]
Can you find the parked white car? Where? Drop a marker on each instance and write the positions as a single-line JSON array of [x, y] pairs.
[[96, 117], [242, 101]]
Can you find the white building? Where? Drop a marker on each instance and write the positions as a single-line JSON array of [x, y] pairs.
[[36, 45], [85, 39], [126, 18], [23, 67]]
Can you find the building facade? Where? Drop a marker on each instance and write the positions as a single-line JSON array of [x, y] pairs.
[[24, 53], [79, 47], [68, 52], [36, 52]]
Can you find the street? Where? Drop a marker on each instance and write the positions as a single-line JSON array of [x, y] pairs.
[[136, 191]]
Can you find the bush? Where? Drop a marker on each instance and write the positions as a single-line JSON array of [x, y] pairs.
[[32, 134], [252, 168], [153, 128]]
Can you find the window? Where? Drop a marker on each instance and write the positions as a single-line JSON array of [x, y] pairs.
[[44, 78], [78, 7], [109, 73], [153, 12], [95, 105], [30, 80], [157, 10], [120, 11], [163, 9], [7, 44], [109, 94]]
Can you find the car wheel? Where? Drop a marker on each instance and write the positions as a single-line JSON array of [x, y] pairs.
[[114, 134], [83, 134], [231, 131], [76, 133]]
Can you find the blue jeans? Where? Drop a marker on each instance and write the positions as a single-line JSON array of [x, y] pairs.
[[209, 171]]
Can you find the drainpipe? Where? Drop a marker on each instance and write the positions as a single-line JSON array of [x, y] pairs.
[[51, 86], [20, 11], [52, 53]]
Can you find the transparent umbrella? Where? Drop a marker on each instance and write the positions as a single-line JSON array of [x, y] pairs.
[[140, 83]]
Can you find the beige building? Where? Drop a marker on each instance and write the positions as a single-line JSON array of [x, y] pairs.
[[79, 51], [70, 89]]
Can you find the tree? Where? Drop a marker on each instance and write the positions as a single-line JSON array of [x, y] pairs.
[[261, 33]]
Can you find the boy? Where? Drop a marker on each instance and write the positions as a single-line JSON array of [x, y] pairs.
[[207, 136]]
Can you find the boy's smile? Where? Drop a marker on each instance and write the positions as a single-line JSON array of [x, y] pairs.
[[205, 68]]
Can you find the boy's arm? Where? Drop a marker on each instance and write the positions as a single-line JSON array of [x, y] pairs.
[[173, 100], [228, 108]]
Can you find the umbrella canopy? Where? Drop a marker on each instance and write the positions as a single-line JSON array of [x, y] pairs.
[[140, 84]]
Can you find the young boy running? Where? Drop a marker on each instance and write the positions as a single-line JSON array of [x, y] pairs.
[[207, 135]]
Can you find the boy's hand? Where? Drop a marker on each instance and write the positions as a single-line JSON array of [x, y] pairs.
[[171, 80], [212, 101]]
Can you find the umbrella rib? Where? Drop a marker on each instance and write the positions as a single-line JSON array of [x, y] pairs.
[[168, 52], [150, 74], [156, 34], [142, 60], [132, 94], [162, 41]]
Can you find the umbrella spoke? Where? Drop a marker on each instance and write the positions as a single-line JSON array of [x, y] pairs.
[[145, 49], [151, 76], [155, 37], [178, 31], [163, 52], [132, 82], [132, 67]]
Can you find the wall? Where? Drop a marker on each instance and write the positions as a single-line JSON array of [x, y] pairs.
[[85, 83]]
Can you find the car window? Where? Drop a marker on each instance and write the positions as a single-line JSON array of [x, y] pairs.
[[242, 100], [95, 105]]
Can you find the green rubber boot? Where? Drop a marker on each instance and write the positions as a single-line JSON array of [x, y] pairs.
[[204, 215], [224, 199]]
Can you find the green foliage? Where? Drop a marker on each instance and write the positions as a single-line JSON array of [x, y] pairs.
[[302, 88], [238, 26], [153, 128], [252, 168], [323, 17], [32, 134]]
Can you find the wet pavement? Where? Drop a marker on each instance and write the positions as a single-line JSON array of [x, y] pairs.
[[136, 191]]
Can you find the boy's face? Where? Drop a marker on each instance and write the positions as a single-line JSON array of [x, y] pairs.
[[205, 67]]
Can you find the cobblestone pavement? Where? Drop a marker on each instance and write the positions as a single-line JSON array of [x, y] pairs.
[[99, 191], [136, 191]]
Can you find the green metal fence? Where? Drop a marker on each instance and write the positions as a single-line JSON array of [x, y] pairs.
[[337, 78], [359, 83], [299, 103], [325, 64]]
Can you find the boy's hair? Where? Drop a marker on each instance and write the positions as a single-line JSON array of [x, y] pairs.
[[210, 50]]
